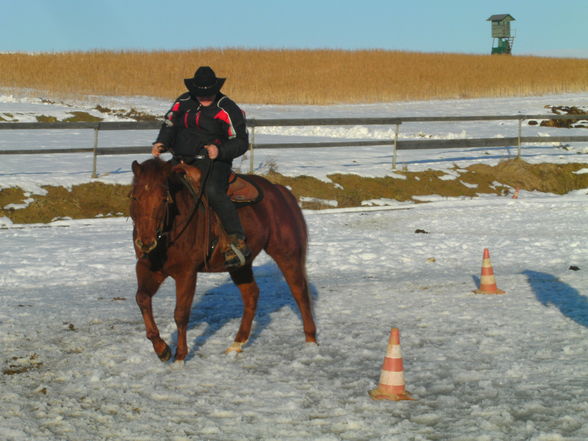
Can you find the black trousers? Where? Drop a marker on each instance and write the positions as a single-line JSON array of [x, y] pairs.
[[215, 190], [217, 175]]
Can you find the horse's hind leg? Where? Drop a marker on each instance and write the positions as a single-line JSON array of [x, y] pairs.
[[148, 284], [243, 278], [295, 275]]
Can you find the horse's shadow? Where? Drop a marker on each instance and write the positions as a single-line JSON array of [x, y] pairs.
[[221, 305], [550, 290]]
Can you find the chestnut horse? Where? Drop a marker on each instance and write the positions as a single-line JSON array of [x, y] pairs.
[[176, 235]]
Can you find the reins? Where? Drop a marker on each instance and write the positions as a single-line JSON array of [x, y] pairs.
[[160, 232], [197, 197]]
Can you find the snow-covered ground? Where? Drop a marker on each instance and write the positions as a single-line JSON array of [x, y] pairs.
[[76, 364]]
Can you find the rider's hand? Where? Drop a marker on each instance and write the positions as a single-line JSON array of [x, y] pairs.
[[157, 149], [212, 151]]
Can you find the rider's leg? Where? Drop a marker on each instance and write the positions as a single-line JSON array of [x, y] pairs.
[[216, 192]]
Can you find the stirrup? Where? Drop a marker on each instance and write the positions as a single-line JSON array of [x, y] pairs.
[[237, 253]]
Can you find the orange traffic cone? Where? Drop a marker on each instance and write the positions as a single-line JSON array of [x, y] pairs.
[[391, 385], [487, 279]]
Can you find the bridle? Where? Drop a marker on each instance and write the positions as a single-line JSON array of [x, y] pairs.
[[165, 222]]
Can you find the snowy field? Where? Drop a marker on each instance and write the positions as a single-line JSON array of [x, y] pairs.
[[77, 366]]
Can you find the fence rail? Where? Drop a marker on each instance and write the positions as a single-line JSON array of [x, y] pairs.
[[253, 123]]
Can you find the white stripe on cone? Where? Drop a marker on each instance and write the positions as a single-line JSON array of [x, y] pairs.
[[391, 385], [487, 279]]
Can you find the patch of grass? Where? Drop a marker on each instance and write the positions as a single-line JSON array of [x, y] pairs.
[[11, 195], [133, 113], [46, 119], [81, 202], [352, 190], [99, 199], [566, 123], [78, 116], [548, 178], [355, 189], [306, 186]]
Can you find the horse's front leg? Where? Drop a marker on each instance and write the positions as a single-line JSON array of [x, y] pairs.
[[148, 284], [243, 278], [185, 289]]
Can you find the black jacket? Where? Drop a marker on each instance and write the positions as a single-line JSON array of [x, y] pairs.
[[189, 126]]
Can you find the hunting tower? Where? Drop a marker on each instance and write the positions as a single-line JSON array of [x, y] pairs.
[[502, 41]]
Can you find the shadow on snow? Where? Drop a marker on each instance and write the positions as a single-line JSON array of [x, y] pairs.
[[221, 305], [549, 290]]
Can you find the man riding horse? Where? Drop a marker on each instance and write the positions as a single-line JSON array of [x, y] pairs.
[[206, 129]]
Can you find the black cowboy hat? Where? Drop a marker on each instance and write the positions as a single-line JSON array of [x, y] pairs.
[[204, 83]]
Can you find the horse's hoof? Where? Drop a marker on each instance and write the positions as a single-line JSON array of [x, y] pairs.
[[235, 347], [311, 347], [179, 364], [166, 354]]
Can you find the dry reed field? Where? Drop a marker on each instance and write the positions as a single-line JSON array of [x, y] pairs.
[[295, 76]]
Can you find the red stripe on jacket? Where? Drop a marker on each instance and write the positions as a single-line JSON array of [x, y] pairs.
[[224, 116]]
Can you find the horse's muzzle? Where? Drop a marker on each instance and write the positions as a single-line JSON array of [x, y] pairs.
[[146, 247]]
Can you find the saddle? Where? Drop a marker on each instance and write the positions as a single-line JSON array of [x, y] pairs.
[[243, 191]]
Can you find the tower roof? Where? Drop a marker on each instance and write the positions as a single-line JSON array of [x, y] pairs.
[[500, 17]]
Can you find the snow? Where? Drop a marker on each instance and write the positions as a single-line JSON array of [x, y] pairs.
[[76, 363]]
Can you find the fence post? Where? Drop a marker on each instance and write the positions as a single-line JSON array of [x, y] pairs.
[[95, 152], [394, 148], [519, 138], [251, 143]]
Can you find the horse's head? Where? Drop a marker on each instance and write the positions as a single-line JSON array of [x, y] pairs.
[[150, 197]]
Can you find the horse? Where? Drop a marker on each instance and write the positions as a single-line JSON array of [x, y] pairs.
[[176, 235]]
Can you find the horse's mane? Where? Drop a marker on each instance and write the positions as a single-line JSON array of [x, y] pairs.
[[154, 168]]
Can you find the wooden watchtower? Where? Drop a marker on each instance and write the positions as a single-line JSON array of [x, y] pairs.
[[502, 40]]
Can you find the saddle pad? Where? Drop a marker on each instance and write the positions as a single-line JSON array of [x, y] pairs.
[[241, 190]]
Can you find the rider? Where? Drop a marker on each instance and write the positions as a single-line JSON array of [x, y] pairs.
[[203, 121]]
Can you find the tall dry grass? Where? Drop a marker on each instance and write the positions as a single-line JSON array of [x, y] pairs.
[[297, 76]]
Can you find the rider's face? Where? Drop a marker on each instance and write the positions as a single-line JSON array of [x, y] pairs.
[[206, 100]]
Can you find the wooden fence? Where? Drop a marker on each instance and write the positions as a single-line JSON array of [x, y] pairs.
[[253, 123]]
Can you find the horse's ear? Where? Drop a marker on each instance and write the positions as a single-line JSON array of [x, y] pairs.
[[136, 167]]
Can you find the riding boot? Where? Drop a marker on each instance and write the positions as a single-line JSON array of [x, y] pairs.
[[237, 252]]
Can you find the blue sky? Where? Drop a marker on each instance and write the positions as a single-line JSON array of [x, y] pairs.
[[543, 27]]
